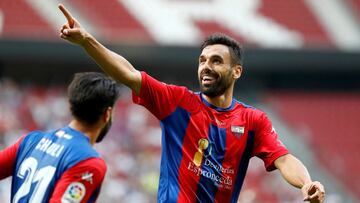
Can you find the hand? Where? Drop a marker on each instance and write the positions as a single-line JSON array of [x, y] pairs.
[[313, 192], [72, 30]]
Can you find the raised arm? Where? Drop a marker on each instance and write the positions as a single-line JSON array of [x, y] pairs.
[[295, 173], [113, 64]]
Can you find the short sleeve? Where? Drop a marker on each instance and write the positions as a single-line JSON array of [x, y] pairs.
[[81, 183], [159, 98], [267, 145], [8, 159]]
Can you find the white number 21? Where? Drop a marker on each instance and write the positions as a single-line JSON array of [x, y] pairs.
[[40, 176]]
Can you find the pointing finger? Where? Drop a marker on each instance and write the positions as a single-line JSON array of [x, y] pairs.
[[67, 15]]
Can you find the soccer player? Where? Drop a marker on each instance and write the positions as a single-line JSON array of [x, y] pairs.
[[207, 137], [61, 165]]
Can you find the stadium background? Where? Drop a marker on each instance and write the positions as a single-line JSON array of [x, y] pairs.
[[302, 66]]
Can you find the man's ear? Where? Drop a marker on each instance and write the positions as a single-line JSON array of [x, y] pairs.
[[237, 71], [107, 114]]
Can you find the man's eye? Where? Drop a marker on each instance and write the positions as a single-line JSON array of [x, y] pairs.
[[217, 61]]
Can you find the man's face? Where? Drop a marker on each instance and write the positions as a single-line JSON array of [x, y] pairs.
[[104, 131], [215, 72]]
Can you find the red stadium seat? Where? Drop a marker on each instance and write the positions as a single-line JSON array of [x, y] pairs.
[[332, 129], [355, 5], [115, 22], [297, 16], [21, 21]]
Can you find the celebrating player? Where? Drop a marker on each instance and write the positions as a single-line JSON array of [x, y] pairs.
[[208, 137], [61, 165]]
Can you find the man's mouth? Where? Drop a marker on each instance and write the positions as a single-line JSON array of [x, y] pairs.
[[207, 79]]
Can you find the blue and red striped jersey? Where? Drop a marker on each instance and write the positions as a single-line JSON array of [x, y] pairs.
[[56, 166], [206, 149]]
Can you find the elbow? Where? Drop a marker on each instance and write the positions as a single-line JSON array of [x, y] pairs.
[[282, 161]]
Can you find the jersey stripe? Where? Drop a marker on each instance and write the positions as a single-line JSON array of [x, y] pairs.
[[173, 136], [243, 166], [235, 145], [209, 180], [189, 172]]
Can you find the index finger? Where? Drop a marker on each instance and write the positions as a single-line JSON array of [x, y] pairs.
[[67, 15]]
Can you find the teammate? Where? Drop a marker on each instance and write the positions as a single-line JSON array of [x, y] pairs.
[[61, 165], [208, 137]]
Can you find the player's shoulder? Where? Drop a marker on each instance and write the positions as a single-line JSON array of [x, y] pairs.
[[244, 106], [98, 162], [35, 133], [33, 136], [249, 109], [94, 164]]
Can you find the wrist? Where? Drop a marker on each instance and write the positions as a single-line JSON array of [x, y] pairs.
[[87, 40], [306, 182]]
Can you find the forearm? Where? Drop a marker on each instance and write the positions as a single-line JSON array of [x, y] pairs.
[[113, 64], [293, 171]]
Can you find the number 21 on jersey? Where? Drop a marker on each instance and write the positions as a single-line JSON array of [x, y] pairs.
[[30, 173]]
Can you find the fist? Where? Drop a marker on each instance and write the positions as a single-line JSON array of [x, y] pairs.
[[313, 192]]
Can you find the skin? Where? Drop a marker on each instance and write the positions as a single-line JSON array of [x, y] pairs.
[[95, 130], [215, 68]]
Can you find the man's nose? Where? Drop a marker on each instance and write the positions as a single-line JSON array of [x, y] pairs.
[[207, 66]]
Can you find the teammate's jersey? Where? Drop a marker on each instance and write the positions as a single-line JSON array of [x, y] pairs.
[[206, 149], [54, 166]]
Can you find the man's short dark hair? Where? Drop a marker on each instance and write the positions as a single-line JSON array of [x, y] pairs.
[[236, 50], [90, 94]]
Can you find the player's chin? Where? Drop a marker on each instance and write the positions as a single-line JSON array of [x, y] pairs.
[[208, 91], [206, 88]]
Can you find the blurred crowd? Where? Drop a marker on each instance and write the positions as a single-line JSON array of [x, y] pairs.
[[131, 149]]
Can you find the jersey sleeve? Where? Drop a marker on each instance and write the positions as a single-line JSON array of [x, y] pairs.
[[159, 98], [81, 183], [8, 159], [267, 145]]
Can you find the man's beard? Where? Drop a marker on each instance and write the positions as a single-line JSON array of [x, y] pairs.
[[104, 131], [216, 88]]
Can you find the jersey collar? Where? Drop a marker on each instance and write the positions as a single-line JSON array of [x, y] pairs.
[[229, 108], [76, 132]]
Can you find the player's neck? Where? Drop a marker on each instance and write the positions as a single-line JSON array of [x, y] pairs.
[[223, 101], [90, 131]]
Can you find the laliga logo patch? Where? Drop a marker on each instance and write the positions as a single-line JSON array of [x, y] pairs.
[[74, 193]]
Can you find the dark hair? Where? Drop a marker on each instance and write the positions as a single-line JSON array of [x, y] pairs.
[[236, 50], [90, 94]]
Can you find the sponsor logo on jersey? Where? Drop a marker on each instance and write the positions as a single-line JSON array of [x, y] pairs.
[[62, 133], [87, 177], [237, 130], [204, 150], [218, 174], [74, 193]]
